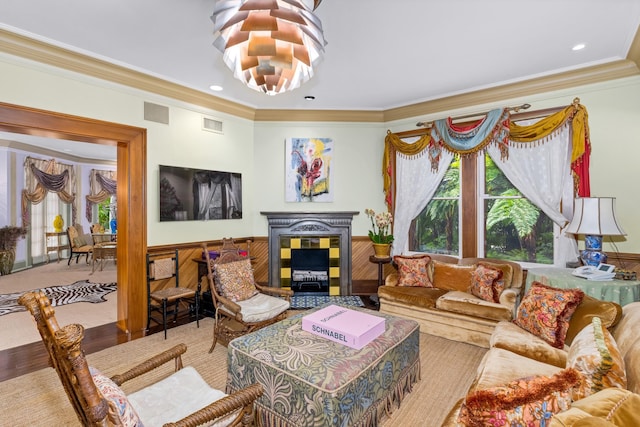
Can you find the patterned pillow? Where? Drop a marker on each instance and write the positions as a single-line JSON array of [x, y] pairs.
[[234, 280], [414, 270], [546, 311], [528, 401], [596, 356], [483, 283], [110, 391]]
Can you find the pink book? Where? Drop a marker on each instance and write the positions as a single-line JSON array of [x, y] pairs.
[[345, 326]]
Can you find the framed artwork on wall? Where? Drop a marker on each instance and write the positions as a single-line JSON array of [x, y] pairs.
[[308, 170], [198, 194]]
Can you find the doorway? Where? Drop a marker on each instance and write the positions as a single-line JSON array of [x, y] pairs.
[[131, 146]]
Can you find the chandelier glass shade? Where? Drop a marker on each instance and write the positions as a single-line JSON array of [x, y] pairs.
[[271, 45]]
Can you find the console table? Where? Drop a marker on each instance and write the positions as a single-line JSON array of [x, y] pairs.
[[56, 243], [620, 291]]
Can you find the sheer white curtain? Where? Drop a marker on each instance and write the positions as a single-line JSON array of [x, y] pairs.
[[416, 184], [542, 173]]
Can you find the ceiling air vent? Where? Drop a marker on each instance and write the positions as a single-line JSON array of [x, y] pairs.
[[156, 113], [212, 125]]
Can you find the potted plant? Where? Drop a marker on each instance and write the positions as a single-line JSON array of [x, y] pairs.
[[9, 236], [380, 233]]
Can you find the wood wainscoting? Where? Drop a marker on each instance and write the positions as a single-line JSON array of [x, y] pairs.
[[364, 274]]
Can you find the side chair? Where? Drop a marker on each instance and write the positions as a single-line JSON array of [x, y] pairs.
[[163, 266], [78, 245], [241, 305], [181, 399]]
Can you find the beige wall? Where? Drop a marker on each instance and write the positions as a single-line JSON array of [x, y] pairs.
[[256, 150]]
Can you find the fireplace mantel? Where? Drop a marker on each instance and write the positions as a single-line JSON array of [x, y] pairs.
[[337, 223]]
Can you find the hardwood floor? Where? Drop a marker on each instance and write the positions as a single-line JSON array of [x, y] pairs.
[[32, 357]]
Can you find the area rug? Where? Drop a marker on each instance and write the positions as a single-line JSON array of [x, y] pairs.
[[82, 291], [38, 399], [310, 301]]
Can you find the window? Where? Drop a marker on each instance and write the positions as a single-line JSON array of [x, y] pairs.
[[42, 216], [514, 228], [437, 228], [508, 225]]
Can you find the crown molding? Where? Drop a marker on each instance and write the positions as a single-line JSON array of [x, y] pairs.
[[595, 74], [28, 48], [319, 116], [35, 50]]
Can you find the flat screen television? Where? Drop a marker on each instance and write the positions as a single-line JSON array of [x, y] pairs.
[[188, 194]]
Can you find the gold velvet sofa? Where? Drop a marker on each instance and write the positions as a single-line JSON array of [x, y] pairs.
[[517, 354], [448, 309]]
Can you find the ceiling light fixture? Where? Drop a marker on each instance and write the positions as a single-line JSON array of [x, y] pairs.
[[216, 88], [309, 97], [579, 46], [271, 45]]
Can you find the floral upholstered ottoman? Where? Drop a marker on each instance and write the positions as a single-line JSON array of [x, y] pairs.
[[311, 381]]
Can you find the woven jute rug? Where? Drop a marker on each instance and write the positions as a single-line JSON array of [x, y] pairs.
[[38, 399]]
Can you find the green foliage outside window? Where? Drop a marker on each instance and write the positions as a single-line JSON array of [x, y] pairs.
[[515, 229]]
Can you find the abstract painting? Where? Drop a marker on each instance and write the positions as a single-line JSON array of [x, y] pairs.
[[308, 170]]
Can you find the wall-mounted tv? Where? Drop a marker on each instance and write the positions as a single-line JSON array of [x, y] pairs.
[[197, 194]]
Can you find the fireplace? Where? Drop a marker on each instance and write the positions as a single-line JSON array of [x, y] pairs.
[[310, 271], [292, 234]]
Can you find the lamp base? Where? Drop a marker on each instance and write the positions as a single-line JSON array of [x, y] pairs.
[[592, 254]]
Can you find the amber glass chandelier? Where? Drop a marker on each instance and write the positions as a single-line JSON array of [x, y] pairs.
[[270, 45]]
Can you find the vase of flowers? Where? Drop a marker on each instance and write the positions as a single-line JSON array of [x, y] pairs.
[[380, 233], [9, 236]]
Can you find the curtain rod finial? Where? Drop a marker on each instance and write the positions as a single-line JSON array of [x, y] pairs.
[[576, 101]]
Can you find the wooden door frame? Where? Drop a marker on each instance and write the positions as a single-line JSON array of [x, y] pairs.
[[131, 145]]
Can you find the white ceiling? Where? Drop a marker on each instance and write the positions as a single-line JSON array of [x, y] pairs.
[[380, 54]]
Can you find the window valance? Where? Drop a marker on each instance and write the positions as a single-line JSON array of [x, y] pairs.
[[103, 185], [496, 128], [43, 176]]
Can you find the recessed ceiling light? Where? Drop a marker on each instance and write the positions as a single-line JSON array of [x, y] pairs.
[[309, 97], [579, 46], [215, 88]]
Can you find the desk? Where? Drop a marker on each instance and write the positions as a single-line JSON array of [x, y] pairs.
[[310, 380], [620, 291], [103, 251], [54, 243]]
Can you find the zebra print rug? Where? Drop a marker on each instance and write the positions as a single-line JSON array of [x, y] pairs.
[[82, 291]]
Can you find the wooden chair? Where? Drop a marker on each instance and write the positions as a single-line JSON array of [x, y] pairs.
[[98, 400], [160, 267], [78, 245], [235, 317]]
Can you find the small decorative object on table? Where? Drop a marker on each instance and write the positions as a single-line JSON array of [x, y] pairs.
[[626, 275], [58, 224], [380, 233]]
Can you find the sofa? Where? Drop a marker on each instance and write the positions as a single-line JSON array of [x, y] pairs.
[[434, 290], [522, 373]]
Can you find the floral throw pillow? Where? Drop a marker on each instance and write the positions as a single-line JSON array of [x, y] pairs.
[[234, 280], [545, 312], [596, 356], [110, 391], [484, 280], [528, 401], [414, 270]]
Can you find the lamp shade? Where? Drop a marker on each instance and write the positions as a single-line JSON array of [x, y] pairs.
[[271, 45], [595, 216]]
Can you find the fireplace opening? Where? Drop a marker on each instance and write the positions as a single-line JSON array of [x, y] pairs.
[[310, 271]]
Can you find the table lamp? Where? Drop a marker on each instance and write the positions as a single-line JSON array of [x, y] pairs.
[[594, 217]]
